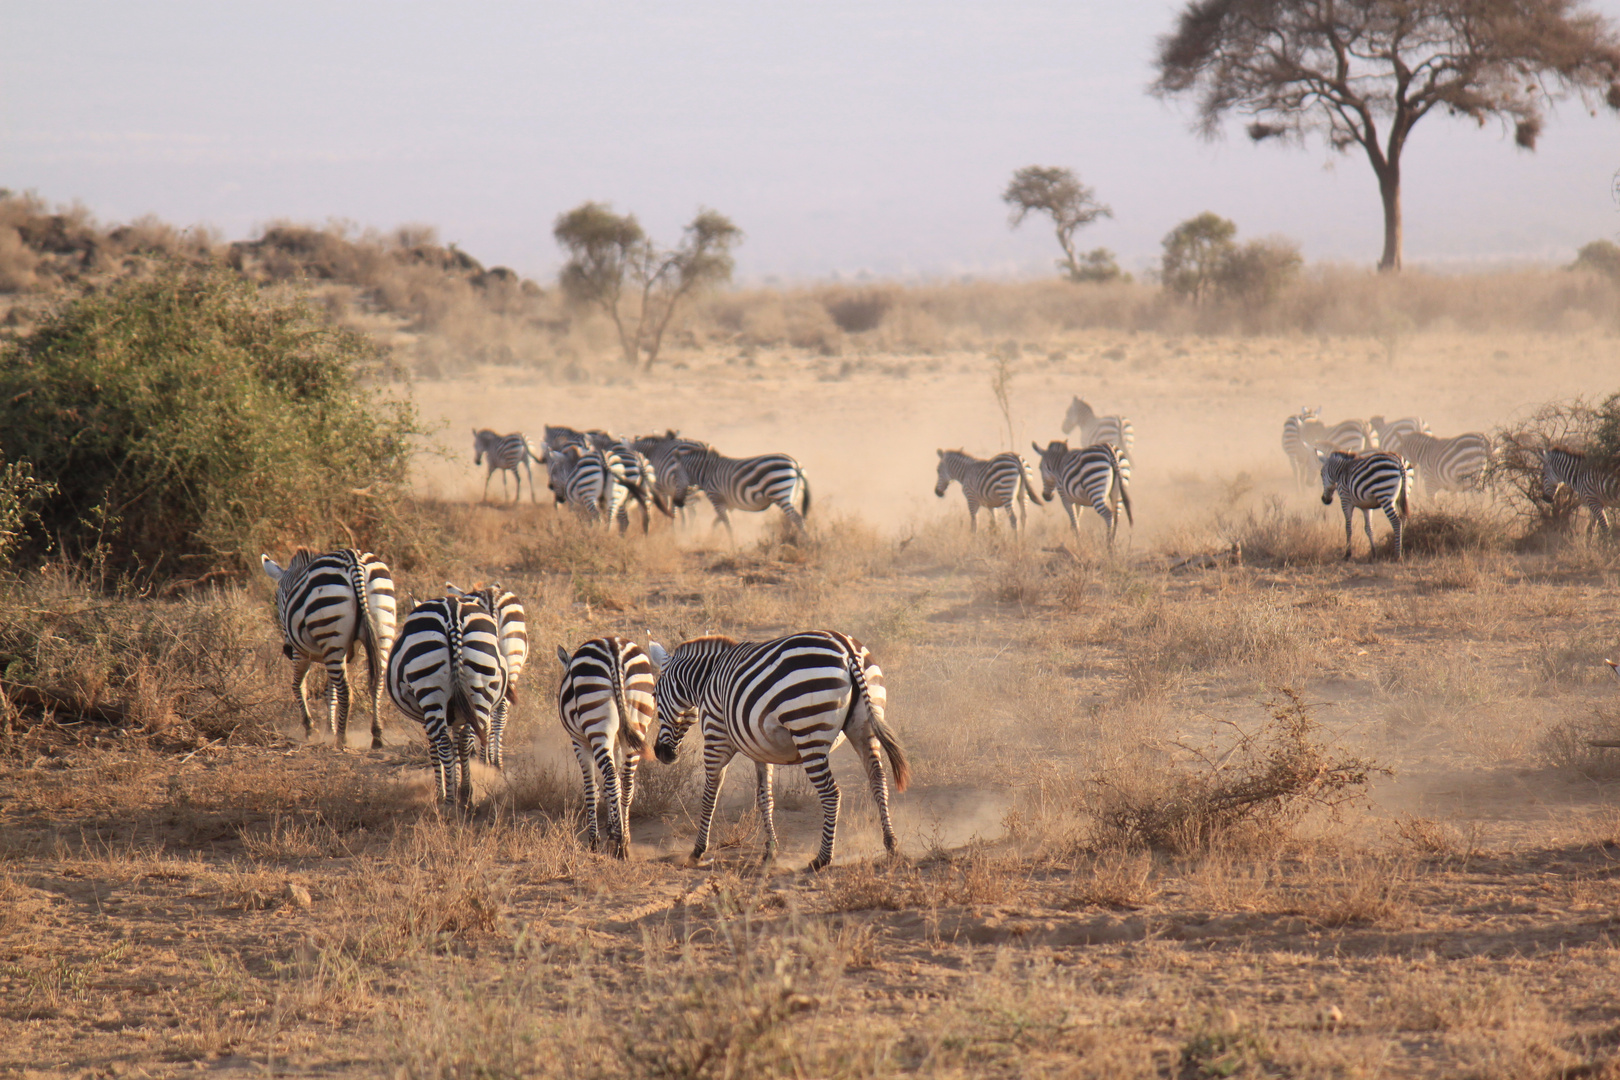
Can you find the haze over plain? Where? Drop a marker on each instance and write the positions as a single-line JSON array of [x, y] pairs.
[[843, 137]]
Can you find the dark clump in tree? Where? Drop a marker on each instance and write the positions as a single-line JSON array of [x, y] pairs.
[[191, 419], [1059, 194], [1203, 261], [1362, 73], [610, 253], [1600, 256]]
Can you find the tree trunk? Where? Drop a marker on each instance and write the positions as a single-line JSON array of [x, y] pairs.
[[1389, 190]]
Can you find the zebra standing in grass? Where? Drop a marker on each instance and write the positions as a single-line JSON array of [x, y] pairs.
[[606, 705], [328, 605], [1347, 436], [505, 453], [1363, 482], [513, 627], [635, 471], [752, 484], [1383, 431], [1300, 434], [785, 702], [448, 673], [997, 483], [1092, 475], [1596, 487], [1456, 464], [1096, 429], [663, 453], [588, 481]]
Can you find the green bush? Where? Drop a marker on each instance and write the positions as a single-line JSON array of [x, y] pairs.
[[190, 420], [21, 493]]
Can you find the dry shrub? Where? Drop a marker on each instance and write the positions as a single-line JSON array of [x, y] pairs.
[[1370, 891], [1120, 880], [1278, 536], [856, 311], [1256, 633], [1567, 744], [1251, 794], [970, 880], [1449, 531]]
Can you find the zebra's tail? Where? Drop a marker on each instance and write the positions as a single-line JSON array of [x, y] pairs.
[[804, 485], [461, 706], [635, 740], [1124, 493], [880, 727], [1027, 479], [1403, 497], [370, 630]]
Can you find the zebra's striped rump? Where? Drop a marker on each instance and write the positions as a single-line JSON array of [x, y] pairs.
[[328, 605], [1365, 482], [999, 482], [513, 627], [751, 484], [1092, 475], [790, 701], [1114, 430], [607, 707], [1300, 434], [447, 672]]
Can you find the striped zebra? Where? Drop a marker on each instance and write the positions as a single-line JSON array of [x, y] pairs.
[[1300, 434], [1383, 431], [1347, 436], [1364, 482], [635, 471], [1596, 487], [505, 453], [1456, 464], [447, 672], [589, 481], [1096, 429], [606, 706], [514, 638], [1093, 475], [997, 483], [790, 701], [328, 605], [663, 453], [751, 484]]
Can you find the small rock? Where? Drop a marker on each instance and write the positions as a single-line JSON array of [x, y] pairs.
[[298, 896], [1328, 1018]]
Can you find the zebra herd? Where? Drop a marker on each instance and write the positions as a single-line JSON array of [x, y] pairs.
[[597, 474], [1098, 473], [453, 664]]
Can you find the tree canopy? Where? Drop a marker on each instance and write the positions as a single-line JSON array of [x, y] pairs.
[[1362, 73], [1056, 192]]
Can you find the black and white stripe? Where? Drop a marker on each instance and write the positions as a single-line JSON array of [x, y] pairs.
[[996, 483], [447, 673], [1596, 487], [514, 637], [663, 453], [1347, 436], [1114, 430], [1300, 434], [505, 454], [1455, 464], [785, 702], [1364, 482], [1092, 475], [751, 484], [606, 706], [635, 472], [1386, 430], [328, 605]]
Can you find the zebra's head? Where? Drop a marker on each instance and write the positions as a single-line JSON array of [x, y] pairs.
[[944, 474], [1332, 468], [1079, 415], [683, 676], [1050, 459]]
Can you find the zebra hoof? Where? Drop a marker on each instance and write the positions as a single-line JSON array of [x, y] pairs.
[[817, 865], [376, 742]]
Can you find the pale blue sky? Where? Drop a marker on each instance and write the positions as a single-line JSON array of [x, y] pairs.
[[843, 137]]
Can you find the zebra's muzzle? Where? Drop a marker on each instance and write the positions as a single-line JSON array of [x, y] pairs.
[[666, 752], [1327, 497]]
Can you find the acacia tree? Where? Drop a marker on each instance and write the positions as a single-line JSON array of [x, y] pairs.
[[1059, 194], [1362, 73], [607, 251]]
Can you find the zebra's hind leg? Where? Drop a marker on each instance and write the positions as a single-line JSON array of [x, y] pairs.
[[973, 516], [765, 796], [444, 761], [1074, 522], [464, 755], [301, 666], [715, 760], [627, 793], [1395, 523], [821, 776], [492, 745], [593, 811], [1366, 521], [880, 790], [602, 750], [337, 703]]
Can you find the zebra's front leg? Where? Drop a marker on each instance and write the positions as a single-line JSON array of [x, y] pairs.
[[487, 478], [587, 768], [301, 666], [880, 790], [765, 797], [528, 468], [973, 514], [1074, 522], [820, 772], [1349, 526], [715, 760], [720, 515]]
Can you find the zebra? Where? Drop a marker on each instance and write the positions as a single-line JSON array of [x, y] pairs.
[[589, 481], [327, 605], [999, 482], [790, 701], [1096, 429], [1596, 487], [663, 453], [1383, 431], [1092, 475], [606, 704], [1300, 433], [1456, 464], [448, 673], [1349, 436], [1365, 481], [514, 638], [745, 483], [633, 469], [505, 453]]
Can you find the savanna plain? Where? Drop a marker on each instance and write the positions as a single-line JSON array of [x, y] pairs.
[[1216, 804]]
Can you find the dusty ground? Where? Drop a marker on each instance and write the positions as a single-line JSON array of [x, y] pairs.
[[291, 910]]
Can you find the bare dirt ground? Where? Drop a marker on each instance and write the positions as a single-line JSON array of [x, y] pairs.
[[290, 910]]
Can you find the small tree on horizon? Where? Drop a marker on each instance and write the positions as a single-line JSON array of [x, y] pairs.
[[1195, 253], [1362, 73], [1056, 192], [607, 251]]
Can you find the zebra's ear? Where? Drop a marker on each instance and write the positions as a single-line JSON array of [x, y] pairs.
[[1037, 449], [562, 654], [271, 569], [659, 654], [1321, 456], [941, 454]]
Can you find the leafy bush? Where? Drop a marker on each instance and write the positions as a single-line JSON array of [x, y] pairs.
[[1602, 256], [1514, 473], [190, 419], [21, 493]]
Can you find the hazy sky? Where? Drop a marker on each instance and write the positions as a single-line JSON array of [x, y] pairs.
[[842, 137]]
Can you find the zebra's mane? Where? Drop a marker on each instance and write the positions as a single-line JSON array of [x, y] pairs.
[[301, 558], [705, 639], [1563, 449]]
